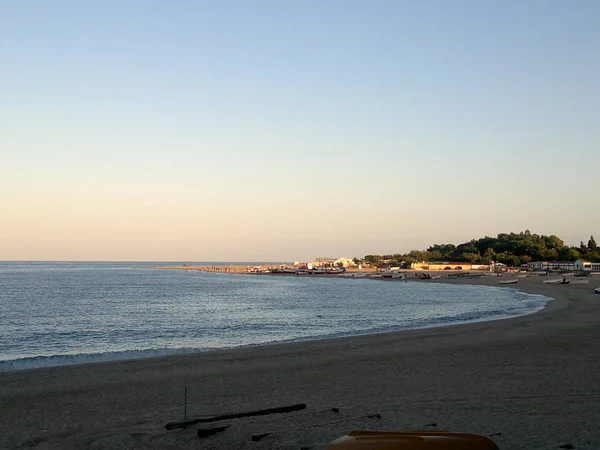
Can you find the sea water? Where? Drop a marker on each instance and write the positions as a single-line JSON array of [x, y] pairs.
[[69, 313]]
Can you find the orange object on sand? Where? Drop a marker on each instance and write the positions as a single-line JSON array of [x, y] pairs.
[[411, 440]]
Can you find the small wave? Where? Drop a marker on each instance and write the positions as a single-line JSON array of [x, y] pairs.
[[232, 315], [534, 303], [37, 362]]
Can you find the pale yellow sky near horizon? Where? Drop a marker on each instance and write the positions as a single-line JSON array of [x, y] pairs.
[[159, 224]]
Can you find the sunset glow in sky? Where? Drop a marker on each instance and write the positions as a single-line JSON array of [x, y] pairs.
[[285, 130]]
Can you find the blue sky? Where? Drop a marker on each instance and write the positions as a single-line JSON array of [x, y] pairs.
[[262, 130]]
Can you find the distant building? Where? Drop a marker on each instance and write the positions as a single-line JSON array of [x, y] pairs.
[[586, 266], [433, 265], [323, 262], [498, 267], [344, 262], [565, 266]]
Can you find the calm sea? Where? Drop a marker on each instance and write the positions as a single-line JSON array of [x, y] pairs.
[[69, 313]]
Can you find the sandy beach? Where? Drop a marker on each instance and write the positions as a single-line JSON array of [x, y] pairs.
[[531, 382]]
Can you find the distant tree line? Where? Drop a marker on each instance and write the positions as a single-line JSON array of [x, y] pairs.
[[511, 249]]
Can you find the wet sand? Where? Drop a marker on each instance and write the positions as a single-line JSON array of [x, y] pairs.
[[532, 379]]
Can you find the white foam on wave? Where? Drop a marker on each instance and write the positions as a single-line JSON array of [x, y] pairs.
[[38, 362], [530, 303]]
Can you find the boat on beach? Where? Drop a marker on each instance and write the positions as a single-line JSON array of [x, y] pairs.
[[259, 270], [459, 275], [538, 273], [423, 276], [597, 290], [310, 272], [284, 270], [558, 281], [513, 281]]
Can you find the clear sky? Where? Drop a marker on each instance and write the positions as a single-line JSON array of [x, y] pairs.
[[286, 130]]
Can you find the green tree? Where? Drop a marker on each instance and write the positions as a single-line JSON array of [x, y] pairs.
[[593, 256], [568, 254], [505, 247], [419, 255], [484, 243], [409, 260], [467, 247], [373, 259], [550, 254], [509, 259], [553, 241], [445, 251], [525, 259], [435, 255], [470, 257], [535, 250], [490, 254]]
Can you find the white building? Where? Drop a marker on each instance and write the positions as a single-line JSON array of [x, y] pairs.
[[565, 266], [323, 262], [344, 262], [586, 266]]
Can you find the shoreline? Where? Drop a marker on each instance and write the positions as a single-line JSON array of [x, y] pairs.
[[532, 377], [49, 361]]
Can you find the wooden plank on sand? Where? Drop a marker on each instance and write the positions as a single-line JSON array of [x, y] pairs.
[[238, 415]]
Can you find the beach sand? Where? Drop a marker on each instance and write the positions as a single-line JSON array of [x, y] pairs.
[[533, 381]]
